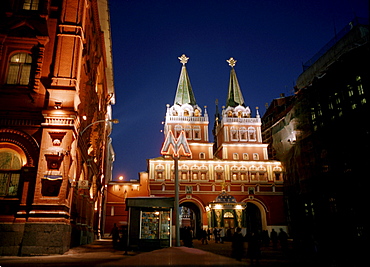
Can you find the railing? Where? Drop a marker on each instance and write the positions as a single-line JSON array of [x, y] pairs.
[[187, 118], [242, 120], [58, 121]]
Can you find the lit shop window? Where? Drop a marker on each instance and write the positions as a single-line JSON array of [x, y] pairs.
[[19, 69]]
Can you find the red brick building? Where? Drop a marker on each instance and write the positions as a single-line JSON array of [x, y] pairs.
[[225, 184], [56, 92]]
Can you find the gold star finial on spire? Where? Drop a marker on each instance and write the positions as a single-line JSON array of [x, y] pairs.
[[231, 62], [183, 59]]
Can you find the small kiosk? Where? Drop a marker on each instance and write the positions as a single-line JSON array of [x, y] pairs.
[[150, 222]]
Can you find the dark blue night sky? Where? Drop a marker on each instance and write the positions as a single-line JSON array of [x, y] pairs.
[[269, 39]]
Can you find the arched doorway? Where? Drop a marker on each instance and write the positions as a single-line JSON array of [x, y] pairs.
[[190, 216], [253, 218]]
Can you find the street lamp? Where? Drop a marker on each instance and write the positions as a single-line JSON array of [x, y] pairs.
[[115, 121]]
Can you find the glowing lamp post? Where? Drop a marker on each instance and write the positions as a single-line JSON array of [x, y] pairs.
[[176, 148]]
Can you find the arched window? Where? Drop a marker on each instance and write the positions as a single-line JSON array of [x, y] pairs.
[[188, 132], [235, 156], [245, 156], [196, 133], [178, 129], [19, 69], [219, 172], [10, 165], [243, 133], [202, 155], [234, 133], [252, 134]]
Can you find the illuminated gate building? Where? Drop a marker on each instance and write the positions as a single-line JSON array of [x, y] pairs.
[[227, 183]]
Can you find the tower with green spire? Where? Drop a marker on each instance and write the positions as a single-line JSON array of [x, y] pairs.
[[237, 128], [185, 115], [214, 188]]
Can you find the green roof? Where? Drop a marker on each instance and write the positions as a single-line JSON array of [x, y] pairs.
[[234, 96], [184, 93]]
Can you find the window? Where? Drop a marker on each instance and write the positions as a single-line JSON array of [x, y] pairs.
[[235, 156], [196, 132], [202, 155], [10, 165], [188, 132], [234, 133], [19, 69], [252, 134], [31, 4], [255, 156], [245, 156], [178, 129], [243, 134]]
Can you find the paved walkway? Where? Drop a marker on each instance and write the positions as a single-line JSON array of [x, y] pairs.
[[100, 253]]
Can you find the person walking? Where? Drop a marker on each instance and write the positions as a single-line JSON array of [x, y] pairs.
[[114, 233], [254, 251], [237, 245], [283, 238], [274, 238], [204, 237]]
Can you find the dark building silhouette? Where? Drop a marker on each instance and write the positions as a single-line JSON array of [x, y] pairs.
[[321, 135]]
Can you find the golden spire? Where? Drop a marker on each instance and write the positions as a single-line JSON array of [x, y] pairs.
[[183, 59], [231, 62]]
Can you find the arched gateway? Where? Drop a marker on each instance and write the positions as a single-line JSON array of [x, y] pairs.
[[224, 184]]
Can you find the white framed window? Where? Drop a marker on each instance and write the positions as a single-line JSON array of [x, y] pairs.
[[178, 129], [256, 156], [252, 134], [188, 131], [235, 156], [196, 133], [19, 69], [234, 133], [243, 134], [245, 156]]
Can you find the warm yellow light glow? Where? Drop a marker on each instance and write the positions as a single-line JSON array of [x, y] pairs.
[[218, 206], [120, 178], [238, 207], [84, 117]]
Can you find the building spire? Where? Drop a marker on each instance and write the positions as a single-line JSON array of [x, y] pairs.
[[234, 96], [184, 93]]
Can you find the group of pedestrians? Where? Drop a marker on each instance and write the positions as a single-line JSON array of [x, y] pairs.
[[255, 241]]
